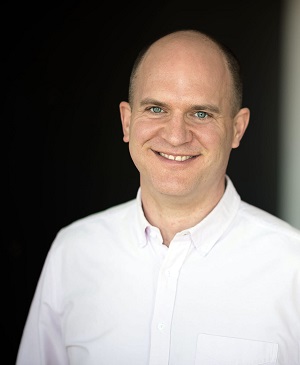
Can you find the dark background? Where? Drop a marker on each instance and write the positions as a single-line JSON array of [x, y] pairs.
[[65, 69]]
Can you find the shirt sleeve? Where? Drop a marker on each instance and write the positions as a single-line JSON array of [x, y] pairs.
[[42, 341]]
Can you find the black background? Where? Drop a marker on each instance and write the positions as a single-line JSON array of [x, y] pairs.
[[65, 69]]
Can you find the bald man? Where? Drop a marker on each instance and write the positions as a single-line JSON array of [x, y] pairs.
[[185, 273]]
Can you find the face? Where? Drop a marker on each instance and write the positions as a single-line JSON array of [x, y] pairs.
[[180, 126]]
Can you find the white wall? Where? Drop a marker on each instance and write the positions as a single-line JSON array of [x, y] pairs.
[[289, 179]]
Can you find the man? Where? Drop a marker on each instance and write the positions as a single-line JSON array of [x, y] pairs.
[[186, 273]]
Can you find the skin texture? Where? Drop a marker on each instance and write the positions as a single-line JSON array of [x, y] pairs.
[[182, 106]]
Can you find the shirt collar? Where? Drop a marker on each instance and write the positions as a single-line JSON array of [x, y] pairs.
[[206, 233], [142, 222]]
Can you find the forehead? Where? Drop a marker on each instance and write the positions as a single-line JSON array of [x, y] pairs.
[[183, 62]]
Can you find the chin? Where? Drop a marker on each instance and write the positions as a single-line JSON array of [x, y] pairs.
[[176, 191]]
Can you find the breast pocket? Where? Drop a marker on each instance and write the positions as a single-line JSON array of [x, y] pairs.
[[219, 350]]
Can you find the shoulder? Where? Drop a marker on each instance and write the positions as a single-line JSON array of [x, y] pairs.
[[263, 223], [102, 225], [116, 212]]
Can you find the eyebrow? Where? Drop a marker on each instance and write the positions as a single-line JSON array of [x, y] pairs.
[[209, 107], [148, 101]]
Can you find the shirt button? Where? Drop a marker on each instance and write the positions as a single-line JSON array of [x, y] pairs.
[[168, 272], [161, 326]]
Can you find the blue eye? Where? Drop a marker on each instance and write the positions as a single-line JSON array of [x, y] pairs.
[[156, 109], [201, 115]]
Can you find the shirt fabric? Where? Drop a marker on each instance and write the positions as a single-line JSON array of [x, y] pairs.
[[225, 292]]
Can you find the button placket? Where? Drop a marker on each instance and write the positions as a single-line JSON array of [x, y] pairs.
[[165, 300]]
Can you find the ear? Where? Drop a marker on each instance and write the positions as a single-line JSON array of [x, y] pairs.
[[125, 113], [240, 124]]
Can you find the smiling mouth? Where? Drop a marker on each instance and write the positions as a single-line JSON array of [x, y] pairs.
[[175, 158]]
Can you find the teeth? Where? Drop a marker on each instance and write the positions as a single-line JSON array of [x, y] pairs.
[[176, 158]]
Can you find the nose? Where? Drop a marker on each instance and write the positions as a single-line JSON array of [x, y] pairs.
[[176, 131]]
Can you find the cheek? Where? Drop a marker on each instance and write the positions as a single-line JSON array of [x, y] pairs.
[[215, 140], [209, 136], [142, 131], [139, 134]]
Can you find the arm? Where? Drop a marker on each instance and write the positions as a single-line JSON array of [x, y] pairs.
[[42, 341]]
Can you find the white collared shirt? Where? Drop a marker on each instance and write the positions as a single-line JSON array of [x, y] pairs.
[[225, 292]]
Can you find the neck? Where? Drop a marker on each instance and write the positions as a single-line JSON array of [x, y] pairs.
[[173, 214]]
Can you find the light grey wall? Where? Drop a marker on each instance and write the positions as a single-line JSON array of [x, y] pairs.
[[289, 126]]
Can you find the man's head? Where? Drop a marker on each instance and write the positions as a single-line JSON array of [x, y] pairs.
[[233, 65], [184, 115]]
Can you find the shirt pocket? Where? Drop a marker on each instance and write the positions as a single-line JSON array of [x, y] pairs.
[[220, 350]]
